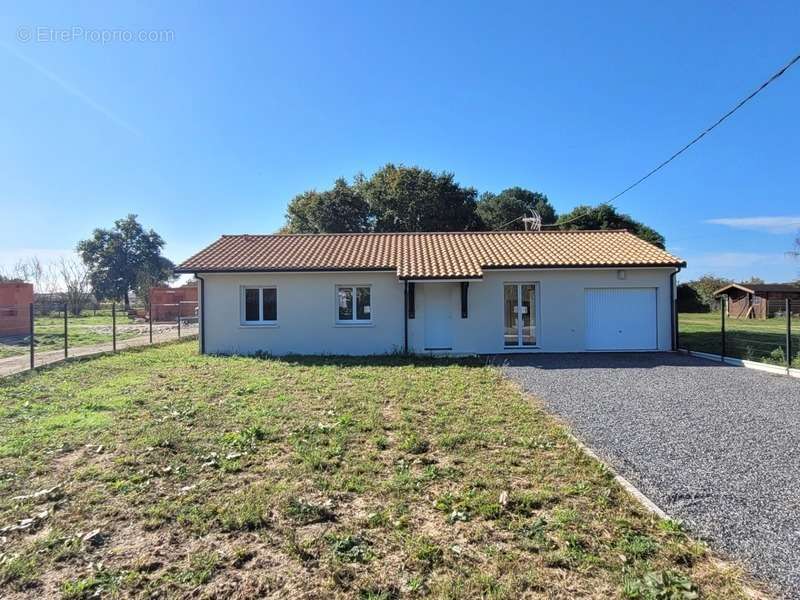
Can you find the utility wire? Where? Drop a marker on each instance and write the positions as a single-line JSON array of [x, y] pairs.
[[697, 138], [708, 130]]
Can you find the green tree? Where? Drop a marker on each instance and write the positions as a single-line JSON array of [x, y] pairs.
[[605, 216], [413, 199], [502, 211], [755, 280], [120, 258], [705, 287], [340, 210], [689, 300]]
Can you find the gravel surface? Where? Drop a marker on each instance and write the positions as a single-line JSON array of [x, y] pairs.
[[715, 446]]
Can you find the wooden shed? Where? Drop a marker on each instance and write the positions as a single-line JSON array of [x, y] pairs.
[[759, 300]]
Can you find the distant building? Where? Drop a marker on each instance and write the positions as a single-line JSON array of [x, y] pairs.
[[167, 304], [15, 301], [759, 300]]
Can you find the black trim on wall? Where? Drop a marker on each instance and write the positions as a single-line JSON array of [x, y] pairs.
[[202, 313], [412, 311], [464, 293], [405, 318]]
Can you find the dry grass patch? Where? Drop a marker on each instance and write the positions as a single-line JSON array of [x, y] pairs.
[[180, 474]]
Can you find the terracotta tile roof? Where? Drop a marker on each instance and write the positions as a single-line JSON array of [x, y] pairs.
[[427, 255]]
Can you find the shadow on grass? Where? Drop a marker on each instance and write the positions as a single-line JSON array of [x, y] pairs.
[[769, 347], [589, 360]]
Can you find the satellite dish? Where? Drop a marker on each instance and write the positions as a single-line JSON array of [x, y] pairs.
[[534, 222]]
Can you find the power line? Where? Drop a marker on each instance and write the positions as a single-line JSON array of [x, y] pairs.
[[509, 223], [708, 130]]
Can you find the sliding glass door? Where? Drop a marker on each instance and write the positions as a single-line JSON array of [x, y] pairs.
[[519, 319]]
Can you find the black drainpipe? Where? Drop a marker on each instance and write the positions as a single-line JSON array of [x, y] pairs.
[[674, 309], [405, 316], [202, 313]]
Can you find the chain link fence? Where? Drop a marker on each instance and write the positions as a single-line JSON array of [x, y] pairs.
[[768, 333], [46, 331]]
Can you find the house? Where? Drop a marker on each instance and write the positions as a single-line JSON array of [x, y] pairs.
[[459, 293], [759, 300], [167, 303], [16, 298]]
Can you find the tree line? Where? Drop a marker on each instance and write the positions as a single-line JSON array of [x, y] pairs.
[[397, 198], [112, 264]]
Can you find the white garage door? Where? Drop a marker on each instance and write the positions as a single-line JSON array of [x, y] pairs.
[[621, 319]]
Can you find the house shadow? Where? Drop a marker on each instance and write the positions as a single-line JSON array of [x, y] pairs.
[[604, 360], [549, 361]]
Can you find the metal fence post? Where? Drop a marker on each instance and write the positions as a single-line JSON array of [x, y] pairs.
[[788, 334], [150, 319], [32, 333], [65, 331], [114, 326], [723, 307], [179, 321]]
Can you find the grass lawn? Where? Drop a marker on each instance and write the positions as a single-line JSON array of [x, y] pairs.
[[85, 330], [753, 339], [163, 473]]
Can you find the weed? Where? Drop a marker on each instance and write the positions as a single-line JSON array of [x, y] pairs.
[[414, 444], [661, 585], [19, 572], [351, 548], [637, 546], [304, 512], [201, 569]]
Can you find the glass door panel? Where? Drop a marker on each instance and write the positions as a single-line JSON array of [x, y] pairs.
[[511, 333], [528, 309]]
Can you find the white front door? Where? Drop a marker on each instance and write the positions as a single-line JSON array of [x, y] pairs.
[[438, 316], [621, 319]]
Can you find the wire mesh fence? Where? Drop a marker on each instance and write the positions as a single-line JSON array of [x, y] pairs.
[[42, 332], [769, 332]]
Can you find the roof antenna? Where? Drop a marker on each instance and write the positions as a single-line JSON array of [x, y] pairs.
[[534, 222]]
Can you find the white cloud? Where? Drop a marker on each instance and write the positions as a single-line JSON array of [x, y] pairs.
[[777, 225], [770, 266], [721, 260]]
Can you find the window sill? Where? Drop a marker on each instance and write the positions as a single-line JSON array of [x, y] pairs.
[[257, 325], [522, 347], [353, 324]]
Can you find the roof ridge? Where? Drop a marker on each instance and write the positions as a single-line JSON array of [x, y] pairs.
[[403, 233]]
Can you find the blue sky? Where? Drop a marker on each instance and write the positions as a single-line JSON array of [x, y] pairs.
[[238, 107]]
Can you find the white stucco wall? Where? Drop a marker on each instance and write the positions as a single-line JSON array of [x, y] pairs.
[[306, 315], [561, 296], [307, 312]]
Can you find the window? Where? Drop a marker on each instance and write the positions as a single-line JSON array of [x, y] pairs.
[[353, 304], [260, 305]]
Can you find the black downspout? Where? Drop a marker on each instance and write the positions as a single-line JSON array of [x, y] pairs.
[[405, 317], [202, 313], [674, 310]]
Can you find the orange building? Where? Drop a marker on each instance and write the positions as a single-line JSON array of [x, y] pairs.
[[167, 303], [15, 300]]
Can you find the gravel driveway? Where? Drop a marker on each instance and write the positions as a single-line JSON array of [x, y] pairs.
[[715, 446]]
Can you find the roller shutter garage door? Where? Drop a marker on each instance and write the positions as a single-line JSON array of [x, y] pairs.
[[621, 319]]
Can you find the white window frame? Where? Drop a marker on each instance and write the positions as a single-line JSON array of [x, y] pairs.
[[353, 290], [243, 309], [537, 315]]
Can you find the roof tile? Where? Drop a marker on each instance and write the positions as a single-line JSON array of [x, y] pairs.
[[428, 255]]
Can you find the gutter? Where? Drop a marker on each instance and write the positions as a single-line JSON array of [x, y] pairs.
[[674, 308], [202, 313], [405, 317]]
